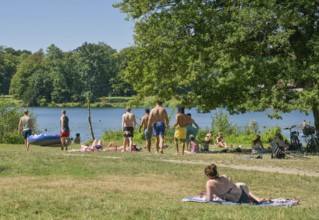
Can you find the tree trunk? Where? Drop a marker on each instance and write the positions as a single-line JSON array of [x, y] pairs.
[[89, 118], [315, 112]]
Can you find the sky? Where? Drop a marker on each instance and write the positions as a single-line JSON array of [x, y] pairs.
[[36, 24]]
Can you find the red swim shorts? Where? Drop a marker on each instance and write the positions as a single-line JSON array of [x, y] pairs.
[[64, 134]]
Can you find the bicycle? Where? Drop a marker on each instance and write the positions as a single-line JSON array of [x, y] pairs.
[[311, 138], [294, 140]]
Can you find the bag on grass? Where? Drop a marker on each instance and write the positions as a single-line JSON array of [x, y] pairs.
[[278, 153]]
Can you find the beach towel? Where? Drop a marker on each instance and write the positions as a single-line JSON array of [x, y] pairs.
[[216, 200]]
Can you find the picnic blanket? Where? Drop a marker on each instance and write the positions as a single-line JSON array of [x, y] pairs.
[[217, 200]]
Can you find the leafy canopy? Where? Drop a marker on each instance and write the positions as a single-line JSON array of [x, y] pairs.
[[242, 55]]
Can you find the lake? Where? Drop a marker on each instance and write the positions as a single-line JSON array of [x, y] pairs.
[[110, 118]]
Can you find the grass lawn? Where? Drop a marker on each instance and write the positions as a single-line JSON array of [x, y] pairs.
[[46, 183]]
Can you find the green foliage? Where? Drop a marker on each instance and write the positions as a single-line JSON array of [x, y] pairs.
[[54, 76], [253, 127], [12, 138], [96, 68], [243, 139], [221, 123], [9, 120], [112, 135], [242, 56], [120, 85], [269, 134], [9, 60]]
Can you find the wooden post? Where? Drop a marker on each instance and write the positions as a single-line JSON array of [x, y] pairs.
[[89, 118]]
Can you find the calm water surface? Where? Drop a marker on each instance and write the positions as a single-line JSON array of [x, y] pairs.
[[110, 118]]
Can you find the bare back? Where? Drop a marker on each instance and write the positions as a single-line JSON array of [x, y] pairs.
[[144, 121], [224, 188], [181, 120], [129, 120], [158, 114]]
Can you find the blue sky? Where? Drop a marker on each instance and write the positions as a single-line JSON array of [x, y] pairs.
[[36, 24]]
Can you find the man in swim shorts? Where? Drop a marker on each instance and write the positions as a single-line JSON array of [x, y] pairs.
[[26, 125], [147, 133], [181, 121], [159, 119], [65, 130], [128, 126]]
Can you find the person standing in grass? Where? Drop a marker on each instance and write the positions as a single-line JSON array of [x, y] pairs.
[[128, 126], [26, 125], [159, 119], [181, 121], [65, 130], [147, 133]]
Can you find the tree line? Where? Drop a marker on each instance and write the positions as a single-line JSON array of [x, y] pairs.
[[53, 76]]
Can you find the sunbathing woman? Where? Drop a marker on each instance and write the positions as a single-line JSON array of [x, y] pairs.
[[220, 140], [114, 147], [96, 145], [224, 188], [257, 146]]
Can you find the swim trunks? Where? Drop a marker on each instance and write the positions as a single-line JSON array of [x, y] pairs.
[[159, 128], [180, 133], [244, 197], [98, 147], [128, 132], [147, 135], [65, 134], [190, 130], [26, 133]]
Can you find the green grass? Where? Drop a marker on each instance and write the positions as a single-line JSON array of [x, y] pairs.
[[46, 183]]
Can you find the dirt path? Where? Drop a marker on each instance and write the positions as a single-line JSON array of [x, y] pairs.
[[257, 168]]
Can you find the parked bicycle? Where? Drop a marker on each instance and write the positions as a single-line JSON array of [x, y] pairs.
[[311, 138], [294, 140]]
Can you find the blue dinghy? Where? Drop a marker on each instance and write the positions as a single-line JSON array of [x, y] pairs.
[[44, 139]]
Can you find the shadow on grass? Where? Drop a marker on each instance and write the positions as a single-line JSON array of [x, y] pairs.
[[4, 168]]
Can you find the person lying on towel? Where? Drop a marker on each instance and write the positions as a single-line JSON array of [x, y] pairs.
[[224, 188]]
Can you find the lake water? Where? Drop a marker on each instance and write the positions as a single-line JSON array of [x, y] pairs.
[[110, 118]]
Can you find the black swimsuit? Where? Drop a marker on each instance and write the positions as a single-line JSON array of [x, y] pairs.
[[225, 192]]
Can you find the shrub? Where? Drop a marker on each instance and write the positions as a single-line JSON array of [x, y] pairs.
[[12, 138], [112, 135], [252, 128], [9, 120], [269, 134], [221, 123]]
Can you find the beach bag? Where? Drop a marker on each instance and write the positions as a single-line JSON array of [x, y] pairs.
[[278, 153]]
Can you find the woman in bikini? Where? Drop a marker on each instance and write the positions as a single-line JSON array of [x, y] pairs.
[[224, 188]]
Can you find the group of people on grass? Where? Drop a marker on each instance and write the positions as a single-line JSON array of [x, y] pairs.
[[155, 122]]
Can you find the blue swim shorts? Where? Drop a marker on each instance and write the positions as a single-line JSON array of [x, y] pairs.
[[159, 128], [26, 133]]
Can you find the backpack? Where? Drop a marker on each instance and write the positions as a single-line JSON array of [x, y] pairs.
[[278, 153]]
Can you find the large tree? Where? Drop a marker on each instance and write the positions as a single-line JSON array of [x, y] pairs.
[[242, 55], [9, 60], [25, 82], [96, 68], [121, 86]]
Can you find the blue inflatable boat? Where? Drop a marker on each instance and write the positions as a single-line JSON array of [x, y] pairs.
[[44, 139]]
